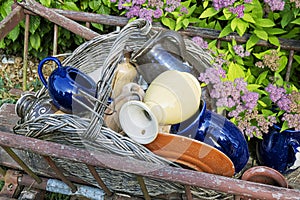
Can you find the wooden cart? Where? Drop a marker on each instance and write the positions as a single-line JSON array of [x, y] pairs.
[[18, 171]]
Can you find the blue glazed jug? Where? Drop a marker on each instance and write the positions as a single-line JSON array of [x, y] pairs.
[[279, 150], [68, 87], [215, 130]]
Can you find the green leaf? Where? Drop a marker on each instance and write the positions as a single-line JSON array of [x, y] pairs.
[[230, 48], [286, 18], [227, 30], [278, 79], [262, 103], [211, 24], [168, 22], [296, 21], [35, 23], [35, 41], [218, 26], [297, 58], [267, 112], [103, 10], [209, 12], [194, 20], [282, 63], [94, 5], [252, 41], [205, 4], [264, 22], [284, 126], [261, 54], [191, 10], [248, 8], [98, 26], [241, 27], [249, 77], [70, 6], [227, 14], [178, 26], [2, 46], [234, 24], [185, 22], [261, 92], [13, 34], [258, 11], [274, 40], [252, 87], [261, 34], [261, 77], [248, 18], [235, 71], [275, 31], [46, 3]]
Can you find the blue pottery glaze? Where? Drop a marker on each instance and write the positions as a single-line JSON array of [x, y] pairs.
[[278, 149], [64, 83], [217, 131]]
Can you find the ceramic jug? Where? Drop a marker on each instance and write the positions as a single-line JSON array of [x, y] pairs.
[[29, 107], [172, 97], [280, 150], [165, 51], [217, 131], [68, 87]]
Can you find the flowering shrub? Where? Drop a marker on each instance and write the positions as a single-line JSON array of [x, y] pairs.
[[255, 97]]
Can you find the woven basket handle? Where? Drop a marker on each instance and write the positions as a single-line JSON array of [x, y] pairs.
[[109, 65]]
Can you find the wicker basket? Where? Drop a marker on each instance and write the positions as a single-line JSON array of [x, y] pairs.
[[103, 54]]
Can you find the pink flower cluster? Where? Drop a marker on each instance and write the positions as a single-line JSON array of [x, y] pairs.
[[199, 41], [275, 4], [290, 103], [279, 97], [233, 95], [149, 9], [239, 50], [238, 10]]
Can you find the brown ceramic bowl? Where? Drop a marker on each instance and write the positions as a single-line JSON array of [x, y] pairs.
[[192, 154]]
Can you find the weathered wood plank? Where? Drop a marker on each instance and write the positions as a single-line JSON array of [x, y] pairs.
[[11, 21], [288, 44], [59, 19]]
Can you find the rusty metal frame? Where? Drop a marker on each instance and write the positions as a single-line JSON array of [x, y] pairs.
[[183, 176], [186, 177]]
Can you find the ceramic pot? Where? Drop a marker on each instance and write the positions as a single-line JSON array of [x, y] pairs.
[[30, 107], [165, 51], [214, 129], [264, 175], [68, 87], [171, 98], [279, 150]]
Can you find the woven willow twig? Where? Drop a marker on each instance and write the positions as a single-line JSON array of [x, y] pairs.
[[105, 53]]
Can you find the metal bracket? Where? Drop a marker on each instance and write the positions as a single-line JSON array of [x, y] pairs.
[[11, 183]]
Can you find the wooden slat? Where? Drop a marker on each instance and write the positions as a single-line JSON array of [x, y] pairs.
[[11, 21]]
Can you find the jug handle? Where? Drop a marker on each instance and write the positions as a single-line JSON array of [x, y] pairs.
[[40, 67], [296, 148]]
